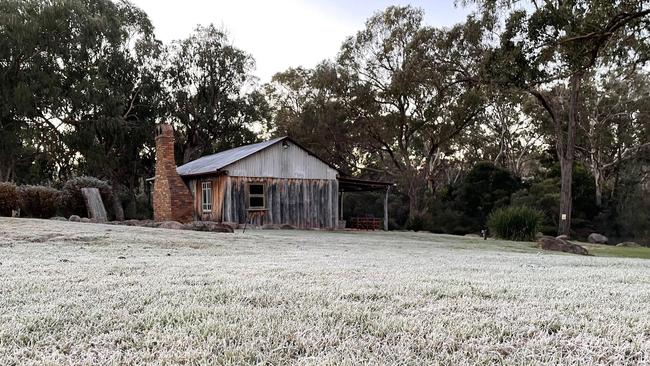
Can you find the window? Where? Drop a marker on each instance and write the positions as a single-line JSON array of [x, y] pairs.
[[256, 198], [206, 196]]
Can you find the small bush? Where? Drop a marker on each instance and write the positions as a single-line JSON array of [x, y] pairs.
[[143, 208], [72, 201], [515, 223], [415, 223], [38, 201], [9, 198]]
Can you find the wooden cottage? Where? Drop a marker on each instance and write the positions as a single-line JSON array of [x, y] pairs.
[[272, 182]]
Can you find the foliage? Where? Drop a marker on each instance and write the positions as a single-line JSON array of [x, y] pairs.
[[143, 207], [208, 78], [519, 223], [485, 188], [463, 207], [313, 106], [83, 82], [413, 89], [9, 198], [39, 201], [543, 195], [445, 218], [72, 201], [549, 50]]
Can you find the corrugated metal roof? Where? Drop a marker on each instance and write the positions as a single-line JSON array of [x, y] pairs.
[[212, 163]]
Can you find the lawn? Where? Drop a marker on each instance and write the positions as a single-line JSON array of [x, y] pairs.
[[74, 293]]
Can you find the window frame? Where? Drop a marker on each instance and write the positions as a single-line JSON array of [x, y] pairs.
[[206, 188], [257, 195]]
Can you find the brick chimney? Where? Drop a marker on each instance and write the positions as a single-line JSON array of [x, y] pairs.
[[172, 200]]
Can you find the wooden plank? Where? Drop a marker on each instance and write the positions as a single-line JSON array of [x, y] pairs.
[[334, 204], [94, 204], [228, 201], [386, 210], [277, 216], [269, 200], [328, 204]]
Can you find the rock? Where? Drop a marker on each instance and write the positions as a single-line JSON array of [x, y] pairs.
[[563, 237], [175, 225], [131, 222], [85, 219], [58, 218], [539, 235], [560, 245], [208, 226], [287, 227], [630, 244], [74, 218], [596, 238], [233, 225]]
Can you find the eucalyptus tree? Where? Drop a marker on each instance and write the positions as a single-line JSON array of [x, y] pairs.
[[81, 80], [214, 100], [616, 126], [549, 45], [314, 106], [414, 89]]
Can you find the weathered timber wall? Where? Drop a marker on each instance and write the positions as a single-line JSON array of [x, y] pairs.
[[278, 161], [218, 193], [304, 203]]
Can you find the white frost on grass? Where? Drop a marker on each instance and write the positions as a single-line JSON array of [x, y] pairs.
[[75, 293]]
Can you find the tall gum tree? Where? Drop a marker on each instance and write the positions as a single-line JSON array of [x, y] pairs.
[[414, 88], [213, 99], [549, 43]]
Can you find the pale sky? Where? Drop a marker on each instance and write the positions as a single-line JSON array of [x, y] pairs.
[[283, 33]]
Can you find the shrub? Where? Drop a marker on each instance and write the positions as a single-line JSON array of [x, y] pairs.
[[415, 223], [9, 198], [515, 223], [143, 207], [38, 201], [71, 199]]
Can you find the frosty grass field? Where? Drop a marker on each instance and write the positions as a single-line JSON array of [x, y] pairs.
[[74, 293]]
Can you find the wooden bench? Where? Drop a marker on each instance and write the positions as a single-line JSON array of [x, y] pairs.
[[366, 223]]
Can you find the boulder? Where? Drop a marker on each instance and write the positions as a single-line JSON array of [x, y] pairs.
[[287, 227], [85, 219], [74, 218], [171, 225], [596, 238], [630, 244], [233, 225], [131, 222], [208, 226], [58, 218], [560, 245], [563, 237]]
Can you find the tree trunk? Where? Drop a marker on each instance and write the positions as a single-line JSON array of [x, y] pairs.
[[413, 203], [567, 157], [566, 171], [118, 210], [599, 188]]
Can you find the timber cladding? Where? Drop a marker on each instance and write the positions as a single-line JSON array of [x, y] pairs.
[[303, 203]]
